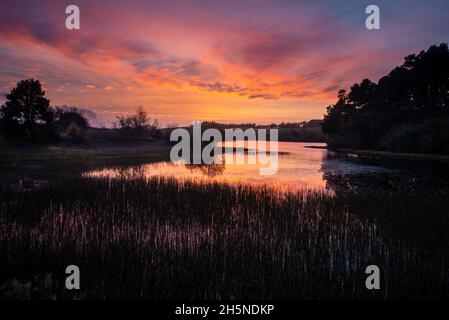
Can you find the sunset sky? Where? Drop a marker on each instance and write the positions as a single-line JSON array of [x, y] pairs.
[[229, 61]]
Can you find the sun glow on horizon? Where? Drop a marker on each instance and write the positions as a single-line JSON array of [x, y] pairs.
[[268, 62]]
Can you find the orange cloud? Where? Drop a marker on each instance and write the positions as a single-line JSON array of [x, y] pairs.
[[184, 61]]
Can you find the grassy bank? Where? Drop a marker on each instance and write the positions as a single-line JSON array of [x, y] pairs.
[[85, 154], [393, 155], [163, 239]]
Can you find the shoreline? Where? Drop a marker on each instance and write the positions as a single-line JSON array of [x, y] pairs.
[[60, 154], [380, 154], [159, 151]]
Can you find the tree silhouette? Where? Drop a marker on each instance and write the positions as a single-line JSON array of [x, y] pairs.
[[139, 124], [337, 115], [407, 110], [27, 113], [65, 117], [138, 121]]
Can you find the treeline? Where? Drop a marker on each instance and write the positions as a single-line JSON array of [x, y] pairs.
[[406, 111], [304, 131], [27, 117], [281, 125]]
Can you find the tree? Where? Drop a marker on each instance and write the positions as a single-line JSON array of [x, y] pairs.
[[65, 117], [138, 121], [139, 124], [361, 94], [73, 133], [337, 114], [27, 113]]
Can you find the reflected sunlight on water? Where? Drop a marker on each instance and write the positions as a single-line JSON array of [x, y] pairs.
[[298, 168]]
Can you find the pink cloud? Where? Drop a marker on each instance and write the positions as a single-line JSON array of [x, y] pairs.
[[161, 53]]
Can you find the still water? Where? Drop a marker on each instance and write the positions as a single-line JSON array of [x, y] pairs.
[[300, 165]]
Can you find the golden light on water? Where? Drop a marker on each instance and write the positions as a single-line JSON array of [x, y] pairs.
[[298, 168]]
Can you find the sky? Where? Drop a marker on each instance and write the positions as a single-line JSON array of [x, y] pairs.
[[230, 61]]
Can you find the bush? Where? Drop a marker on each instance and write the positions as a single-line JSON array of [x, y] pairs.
[[64, 118], [73, 133]]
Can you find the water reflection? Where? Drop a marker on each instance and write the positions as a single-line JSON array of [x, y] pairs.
[[299, 167], [209, 170], [348, 172]]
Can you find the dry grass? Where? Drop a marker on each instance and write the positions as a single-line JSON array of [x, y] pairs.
[[164, 239]]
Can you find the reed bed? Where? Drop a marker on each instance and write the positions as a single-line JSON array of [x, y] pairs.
[[161, 238]]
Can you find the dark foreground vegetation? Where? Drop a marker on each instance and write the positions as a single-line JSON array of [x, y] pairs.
[[165, 239], [406, 111]]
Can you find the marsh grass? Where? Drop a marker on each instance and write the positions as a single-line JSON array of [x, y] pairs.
[[160, 238]]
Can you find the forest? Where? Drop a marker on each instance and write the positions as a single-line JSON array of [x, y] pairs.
[[406, 111]]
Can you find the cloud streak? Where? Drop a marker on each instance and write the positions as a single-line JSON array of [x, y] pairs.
[[184, 55]]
